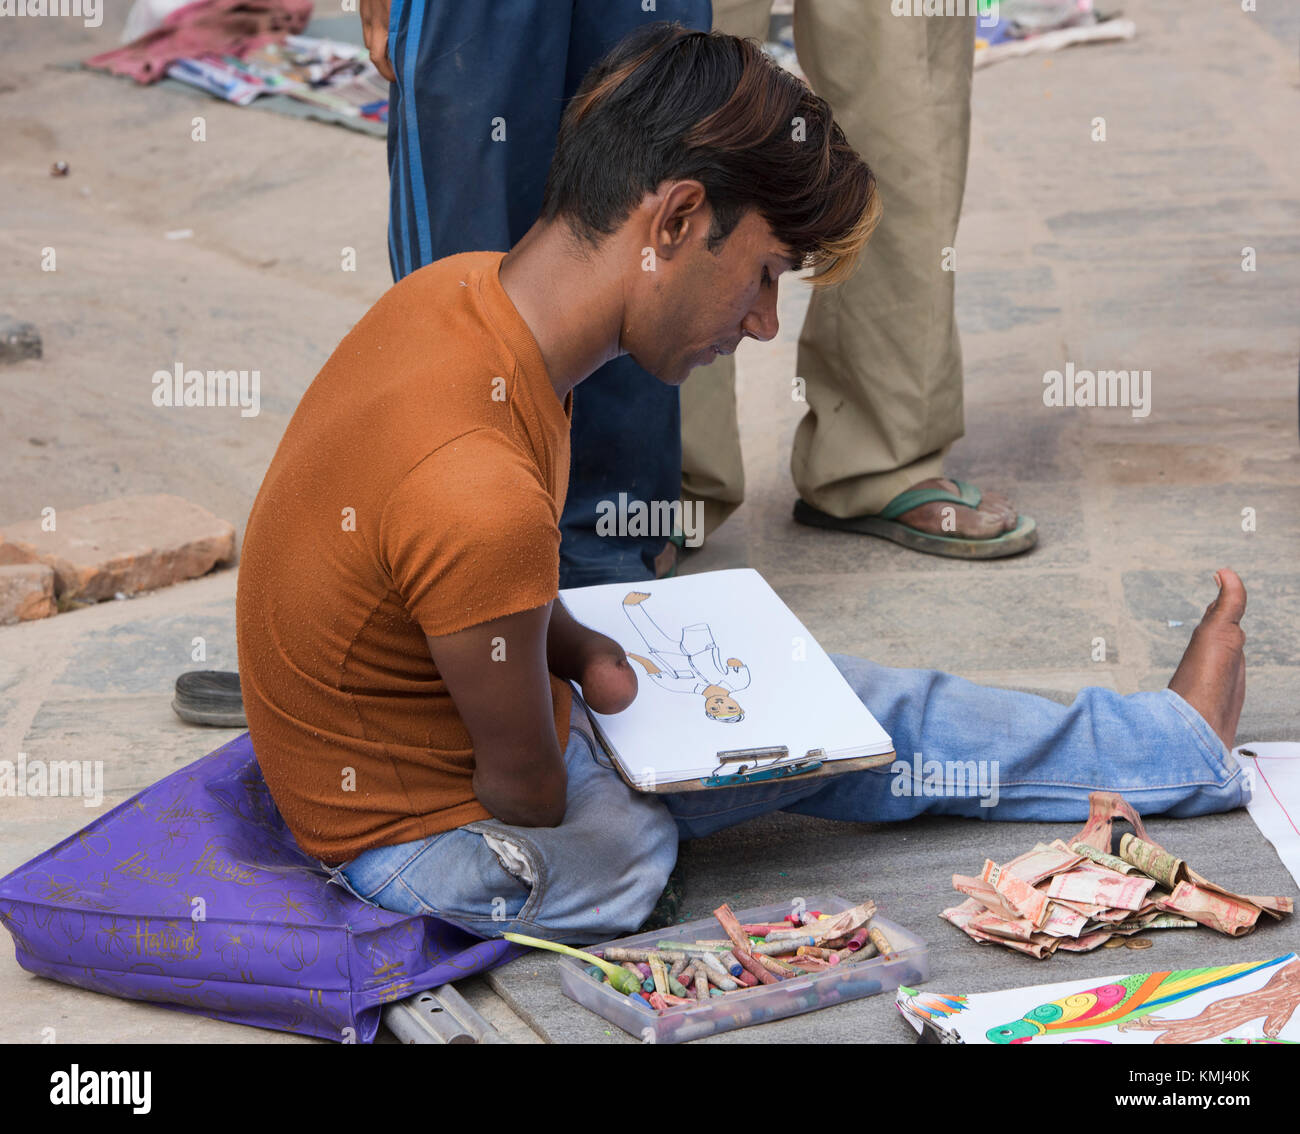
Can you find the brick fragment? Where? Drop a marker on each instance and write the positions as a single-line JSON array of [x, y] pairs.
[[131, 544]]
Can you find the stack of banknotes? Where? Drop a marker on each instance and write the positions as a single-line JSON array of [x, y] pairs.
[[1082, 893]]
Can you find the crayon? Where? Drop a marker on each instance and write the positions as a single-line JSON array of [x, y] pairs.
[[673, 1001], [642, 968], [692, 946], [633, 970], [754, 968], [660, 974], [714, 964], [809, 964], [858, 938], [720, 980], [731, 962], [731, 927], [616, 954], [657, 1001], [746, 978], [755, 1014], [678, 966], [648, 985], [762, 929], [779, 948], [685, 1029], [701, 982], [800, 935], [595, 971], [677, 988], [821, 954], [880, 941], [772, 965]]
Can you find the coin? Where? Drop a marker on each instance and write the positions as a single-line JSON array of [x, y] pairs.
[[1114, 943], [1139, 943]]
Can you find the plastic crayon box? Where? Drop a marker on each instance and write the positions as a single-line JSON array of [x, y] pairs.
[[908, 963]]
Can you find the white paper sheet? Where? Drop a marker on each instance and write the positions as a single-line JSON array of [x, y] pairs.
[[1275, 804], [1230, 1003], [736, 670]]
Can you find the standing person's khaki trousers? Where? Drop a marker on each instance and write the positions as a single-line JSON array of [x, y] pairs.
[[879, 353]]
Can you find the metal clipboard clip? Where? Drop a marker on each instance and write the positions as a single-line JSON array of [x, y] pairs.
[[760, 765]]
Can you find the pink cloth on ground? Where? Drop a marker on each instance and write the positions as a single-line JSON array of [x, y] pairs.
[[226, 27]]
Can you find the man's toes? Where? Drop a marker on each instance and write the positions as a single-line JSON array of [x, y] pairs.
[[982, 525], [1230, 604]]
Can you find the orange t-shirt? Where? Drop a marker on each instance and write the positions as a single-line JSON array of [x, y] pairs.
[[417, 490]]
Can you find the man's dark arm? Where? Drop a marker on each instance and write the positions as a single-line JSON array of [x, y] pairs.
[[496, 674], [596, 662]]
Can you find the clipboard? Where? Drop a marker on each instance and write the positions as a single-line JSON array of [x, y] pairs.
[[749, 763]]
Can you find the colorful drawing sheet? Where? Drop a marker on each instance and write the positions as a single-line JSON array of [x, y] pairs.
[[1275, 804], [1255, 1000], [723, 666]]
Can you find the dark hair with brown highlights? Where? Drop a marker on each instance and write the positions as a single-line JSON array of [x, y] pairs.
[[668, 104]]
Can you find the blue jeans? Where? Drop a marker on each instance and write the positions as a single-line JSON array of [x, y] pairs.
[[964, 749], [472, 123]]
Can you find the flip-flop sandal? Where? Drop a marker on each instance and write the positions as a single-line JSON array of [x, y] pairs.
[[210, 697], [679, 539], [885, 525]]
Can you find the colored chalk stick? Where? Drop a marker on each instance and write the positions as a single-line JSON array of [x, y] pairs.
[[617, 954], [660, 973], [755, 970], [731, 963]]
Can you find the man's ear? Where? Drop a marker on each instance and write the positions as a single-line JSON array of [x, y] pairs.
[[682, 215]]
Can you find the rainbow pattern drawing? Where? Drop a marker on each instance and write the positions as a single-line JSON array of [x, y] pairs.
[[1220, 1003], [1124, 999]]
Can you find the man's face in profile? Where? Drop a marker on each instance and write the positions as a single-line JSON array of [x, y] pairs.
[[700, 304]]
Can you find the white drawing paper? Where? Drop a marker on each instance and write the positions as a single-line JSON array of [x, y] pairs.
[[1254, 1001], [722, 666], [1275, 803]]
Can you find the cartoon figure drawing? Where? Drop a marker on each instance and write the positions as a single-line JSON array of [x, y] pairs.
[[691, 663]]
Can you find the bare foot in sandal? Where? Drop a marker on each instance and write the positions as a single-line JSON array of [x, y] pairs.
[[991, 518]]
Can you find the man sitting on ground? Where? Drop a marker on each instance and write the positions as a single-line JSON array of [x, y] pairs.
[[404, 659]]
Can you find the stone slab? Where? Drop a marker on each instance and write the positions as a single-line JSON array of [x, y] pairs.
[[129, 544]]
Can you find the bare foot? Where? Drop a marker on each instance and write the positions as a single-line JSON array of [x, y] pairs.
[[1212, 675], [994, 515]]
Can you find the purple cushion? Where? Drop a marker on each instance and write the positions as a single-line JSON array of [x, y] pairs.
[[194, 895]]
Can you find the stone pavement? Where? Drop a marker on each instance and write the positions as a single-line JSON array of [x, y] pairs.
[[1122, 254]]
